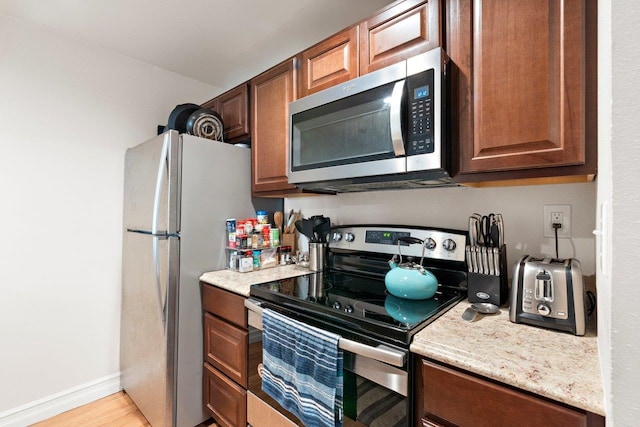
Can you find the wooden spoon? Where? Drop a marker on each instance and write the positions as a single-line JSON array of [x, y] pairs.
[[277, 219]]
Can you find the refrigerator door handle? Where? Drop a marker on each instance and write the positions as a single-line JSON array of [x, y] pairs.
[[162, 168], [162, 302]]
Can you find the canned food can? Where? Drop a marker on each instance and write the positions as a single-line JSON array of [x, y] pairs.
[[275, 237], [240, 228], [233, 260], [232, 240], [263, 217], [266, 236]]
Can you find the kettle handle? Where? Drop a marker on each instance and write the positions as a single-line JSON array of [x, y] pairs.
[[410, 240]]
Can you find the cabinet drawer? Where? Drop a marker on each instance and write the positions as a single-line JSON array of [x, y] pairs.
[[225, 348], [224, 399], [463, 400], [224, 304]]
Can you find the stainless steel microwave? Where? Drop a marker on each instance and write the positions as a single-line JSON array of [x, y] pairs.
[[383, 130]]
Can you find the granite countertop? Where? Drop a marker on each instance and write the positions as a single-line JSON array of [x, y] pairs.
[[240, 283], [557, 365]]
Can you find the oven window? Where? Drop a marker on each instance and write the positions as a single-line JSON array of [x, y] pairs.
[[371, 404], [366, 403]]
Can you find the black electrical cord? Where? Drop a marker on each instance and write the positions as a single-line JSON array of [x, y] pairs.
[[555, 229], [591, 303]]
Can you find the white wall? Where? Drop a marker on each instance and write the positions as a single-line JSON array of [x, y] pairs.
[[68, 111], [619, 154], [521, 207]]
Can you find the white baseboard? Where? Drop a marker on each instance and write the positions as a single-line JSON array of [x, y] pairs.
[[58, 403]]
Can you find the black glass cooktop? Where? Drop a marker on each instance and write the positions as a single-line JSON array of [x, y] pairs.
[[359, 303]]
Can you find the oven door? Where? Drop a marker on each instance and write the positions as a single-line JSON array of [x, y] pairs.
[[375, 392]]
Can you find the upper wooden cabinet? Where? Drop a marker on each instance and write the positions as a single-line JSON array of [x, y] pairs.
[[525, 95], [330, 62], [233, 106], [404, 30], [271, 93]]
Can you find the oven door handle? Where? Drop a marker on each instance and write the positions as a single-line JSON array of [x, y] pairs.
[[380, 353]]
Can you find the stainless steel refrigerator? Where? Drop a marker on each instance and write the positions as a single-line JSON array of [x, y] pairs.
[[178, 192]]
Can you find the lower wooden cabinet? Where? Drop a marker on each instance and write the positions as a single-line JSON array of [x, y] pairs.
[[449, 397], [225, 400], [226, 348], [226, 341]]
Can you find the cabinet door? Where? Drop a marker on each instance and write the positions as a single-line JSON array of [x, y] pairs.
[[225, 400], [333, 61], [522, 99], [402, 31], [234, 109], [450, 397], [226, 348], [271, 93]]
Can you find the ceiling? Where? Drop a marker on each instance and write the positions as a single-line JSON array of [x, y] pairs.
[[220, 42]]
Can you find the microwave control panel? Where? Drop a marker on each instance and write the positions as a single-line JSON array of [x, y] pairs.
[[420, 113]]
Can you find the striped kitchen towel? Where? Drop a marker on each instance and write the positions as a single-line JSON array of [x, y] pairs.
[[302, 369]]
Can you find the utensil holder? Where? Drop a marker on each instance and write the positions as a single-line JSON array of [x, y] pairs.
[[482, 286], [290, 239], [316, 256]]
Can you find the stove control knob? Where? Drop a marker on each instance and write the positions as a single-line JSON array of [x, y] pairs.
[[337, 305], [429, 243], [449, 245], [348, 309], [349, 237], [337, 236], [544, 309]]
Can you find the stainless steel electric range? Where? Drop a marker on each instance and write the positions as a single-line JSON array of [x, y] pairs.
[[349, 297]]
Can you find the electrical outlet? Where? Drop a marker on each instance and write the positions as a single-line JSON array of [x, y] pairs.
[[560, 214]]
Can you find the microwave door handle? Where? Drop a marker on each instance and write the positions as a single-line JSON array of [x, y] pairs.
[[395, 118]]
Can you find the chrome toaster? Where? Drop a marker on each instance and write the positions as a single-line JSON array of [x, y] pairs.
[[550, 293]]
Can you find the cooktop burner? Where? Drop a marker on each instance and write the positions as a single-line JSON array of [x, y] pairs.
[[350, 293], [340, 297]]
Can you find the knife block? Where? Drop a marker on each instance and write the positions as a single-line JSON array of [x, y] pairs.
[[491, 288]]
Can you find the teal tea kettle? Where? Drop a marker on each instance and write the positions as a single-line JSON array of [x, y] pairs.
[[410, 280]]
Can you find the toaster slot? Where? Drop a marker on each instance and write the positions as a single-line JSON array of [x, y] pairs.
[[544, 286]]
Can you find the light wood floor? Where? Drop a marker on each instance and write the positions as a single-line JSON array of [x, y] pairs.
[[116, 410]]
